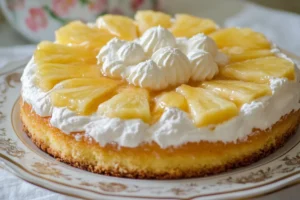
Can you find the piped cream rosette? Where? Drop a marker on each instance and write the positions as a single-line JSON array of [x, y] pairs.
[[158, 60]]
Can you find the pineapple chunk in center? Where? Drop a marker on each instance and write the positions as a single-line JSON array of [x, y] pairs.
[[170, 99], [206, 107], [130, 103]]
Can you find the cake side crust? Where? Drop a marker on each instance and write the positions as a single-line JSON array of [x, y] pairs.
[[149, 161]]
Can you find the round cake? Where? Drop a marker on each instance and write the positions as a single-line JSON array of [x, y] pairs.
[[159, 97]]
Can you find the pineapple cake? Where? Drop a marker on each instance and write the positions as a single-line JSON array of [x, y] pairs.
[[159, 96]]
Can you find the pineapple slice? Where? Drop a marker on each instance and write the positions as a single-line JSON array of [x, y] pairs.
[[130, 103], [206, 107], [48, 75], [170, 99], [188, 26], [121, 26], [83, 95], [239, 92], [81, 82], [237, 54], [147, 18], [78, 33], [48, 52], [245, 38], [259, 70]]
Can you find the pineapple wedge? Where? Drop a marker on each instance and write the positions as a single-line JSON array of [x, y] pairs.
[[48, 75], [121, 26], [188, 26], [245, 38], [81, 82], [130, 103], [78, 33], [83, 95], [238, 54], [259, 70], [147, 18], [48, 52], [170, 99], [206, 107], [239, 92]]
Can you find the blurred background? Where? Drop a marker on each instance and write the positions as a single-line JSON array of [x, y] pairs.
[[30, 21]]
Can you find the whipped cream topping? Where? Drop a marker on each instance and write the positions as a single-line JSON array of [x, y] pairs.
[[39, 100], [155, 38], [202, 42], [174, 64], [147, 75], [158, 60], [203, 65], [68, 121], [174, 128], [117, 55]]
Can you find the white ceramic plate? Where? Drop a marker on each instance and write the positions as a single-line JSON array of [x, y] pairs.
[[22, 158]]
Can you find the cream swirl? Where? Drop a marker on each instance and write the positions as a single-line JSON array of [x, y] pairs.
[[174, 64], [203, 65], [165, 69], [112, 66], [202, 42], [157, 59], [156, 38], [131, 53], [118, 54], [146, 75]]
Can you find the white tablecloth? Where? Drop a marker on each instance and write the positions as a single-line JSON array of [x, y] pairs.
[[281, 27]]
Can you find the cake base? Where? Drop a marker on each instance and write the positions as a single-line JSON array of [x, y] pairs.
[[149, 161]]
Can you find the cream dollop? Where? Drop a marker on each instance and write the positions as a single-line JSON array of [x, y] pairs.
[[156, 38], [202, 42], [203, 65], [174, 64], [131, 53], [39, 100], [157, 59], [146, 75], [168, 66], [112, 66], [117, 55]]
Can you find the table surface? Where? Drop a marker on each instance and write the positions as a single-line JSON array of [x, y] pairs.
[[8, 37]]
